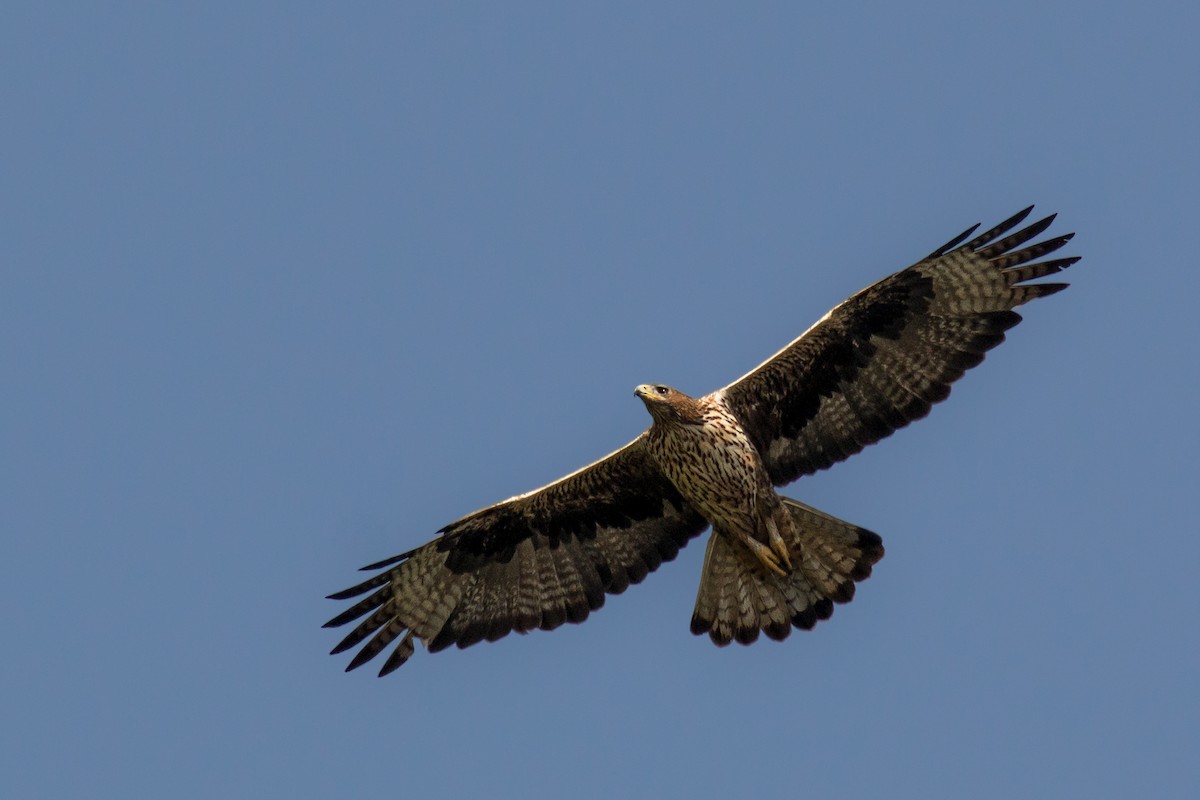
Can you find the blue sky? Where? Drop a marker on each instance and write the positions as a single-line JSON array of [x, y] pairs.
[[287, 287]]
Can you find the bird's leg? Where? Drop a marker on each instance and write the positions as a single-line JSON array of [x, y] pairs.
[[767, 556], [778, 546]]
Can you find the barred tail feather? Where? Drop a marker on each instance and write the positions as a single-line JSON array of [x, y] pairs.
[[739, 598]]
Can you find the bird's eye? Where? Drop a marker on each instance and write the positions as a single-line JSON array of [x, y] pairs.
[[661, 389]]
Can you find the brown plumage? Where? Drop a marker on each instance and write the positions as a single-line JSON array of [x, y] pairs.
[[873, 364]]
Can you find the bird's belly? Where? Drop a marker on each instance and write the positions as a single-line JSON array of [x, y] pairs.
[[721, 481]]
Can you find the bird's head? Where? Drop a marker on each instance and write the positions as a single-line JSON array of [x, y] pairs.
[[668, 405]]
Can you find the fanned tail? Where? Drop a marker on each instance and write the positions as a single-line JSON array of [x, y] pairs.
[[739, 597]]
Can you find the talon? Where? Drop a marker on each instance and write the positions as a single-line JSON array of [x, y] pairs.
[[780, 549], [768, 558], [778, 546]]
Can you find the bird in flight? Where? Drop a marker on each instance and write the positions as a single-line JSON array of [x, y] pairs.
[[872, 365]]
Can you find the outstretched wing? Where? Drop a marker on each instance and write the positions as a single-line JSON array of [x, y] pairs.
[[882, 358], [535, 561]]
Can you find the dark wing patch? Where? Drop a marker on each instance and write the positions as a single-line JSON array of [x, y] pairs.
[[882, 358], [535, 561]]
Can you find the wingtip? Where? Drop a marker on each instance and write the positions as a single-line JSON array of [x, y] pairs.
[[1013, 221], [363, 656], [955, 242], [389, 667], [387, 562], [1044, 223], [1047, 289], [399, 656]]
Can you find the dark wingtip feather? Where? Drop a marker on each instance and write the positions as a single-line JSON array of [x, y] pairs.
[[401, 654], [367, 604], [387, 562], [953, 243], [1064, 263], [385, 636], [359, 588], [363, 656], [391, 665], [1039, 269], [341, 647], [1042, 248], [1045, 289], [1005, 226], [346, 594], [994, 248]]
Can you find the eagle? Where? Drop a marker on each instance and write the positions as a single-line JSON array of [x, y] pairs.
[[873, 364]]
